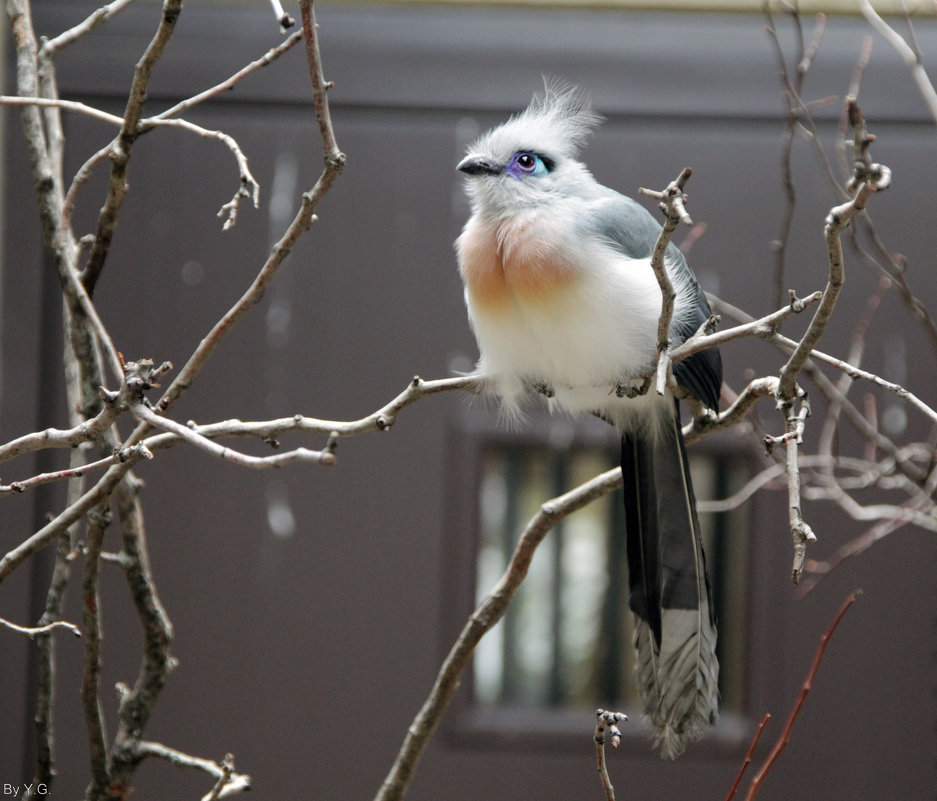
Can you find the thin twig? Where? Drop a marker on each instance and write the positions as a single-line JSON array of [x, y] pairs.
[[756, 389], [606, 722], [86, 431], [249, 187], [379, 420], [785, 737], [121, 149], [911, 58], [840, 364], [867, 474], [96, 18], [867, 179], [748, 757], [763, 326], [121, 462], [32, 631], [854, 356], [800, 120], [39, 540], [325, 456], [334, 158], [85, 171], [285, 20], [120, 455], [228, 781], [817, 570], [228, 83], [73, 106], [895, 269], [671, 201]]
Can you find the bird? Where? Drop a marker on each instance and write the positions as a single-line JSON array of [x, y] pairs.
[[563, 301]]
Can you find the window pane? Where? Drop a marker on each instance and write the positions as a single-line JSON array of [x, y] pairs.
[[566, 639]]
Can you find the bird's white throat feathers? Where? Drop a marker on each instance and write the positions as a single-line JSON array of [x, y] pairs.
[[579, 324]]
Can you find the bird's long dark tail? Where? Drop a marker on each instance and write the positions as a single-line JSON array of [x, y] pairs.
[[675, 632]]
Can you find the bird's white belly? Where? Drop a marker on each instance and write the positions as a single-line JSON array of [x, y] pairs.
[[579, 343]]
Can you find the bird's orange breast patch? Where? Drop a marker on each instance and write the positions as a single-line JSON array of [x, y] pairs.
[[512, 260]]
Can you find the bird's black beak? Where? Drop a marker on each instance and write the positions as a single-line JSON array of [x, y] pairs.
[[478, 165]]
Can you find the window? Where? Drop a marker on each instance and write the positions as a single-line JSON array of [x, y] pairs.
[[565, 641]]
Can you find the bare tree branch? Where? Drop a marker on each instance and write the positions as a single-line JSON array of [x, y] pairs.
[[86, 431], [380, 420], [136, 704], [334, 162], [488, 613], [838, 219], [228, 84], [798, 120], [854, 356], [907, 471], [85, 171], [765, 326], [325, 456], [112, 769], [45, 160], [910, 56], [32, 631], [228, 782], [102, 490], [840, 364], [121, 455], [672, 204], [285, 20], [202, 435], [748, 757], [98, 521], [606, 723], [249, 187], [96, 18], [701, 426], [66, 105], [800, 529], [123, 145]]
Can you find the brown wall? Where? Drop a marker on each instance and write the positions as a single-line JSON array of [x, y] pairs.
[[307, 656]]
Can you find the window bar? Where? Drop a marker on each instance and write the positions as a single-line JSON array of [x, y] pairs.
[[556, 692], [513, 484]]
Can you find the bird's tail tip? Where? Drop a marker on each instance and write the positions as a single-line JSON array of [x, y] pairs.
[[671, 741]]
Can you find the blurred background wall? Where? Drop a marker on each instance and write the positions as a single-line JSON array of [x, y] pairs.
[[312, 606]]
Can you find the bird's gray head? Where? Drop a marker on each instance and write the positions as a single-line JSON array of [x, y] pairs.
[[531, 158]]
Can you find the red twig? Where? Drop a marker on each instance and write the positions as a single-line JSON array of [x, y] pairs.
[[785, 737], [748, 756]]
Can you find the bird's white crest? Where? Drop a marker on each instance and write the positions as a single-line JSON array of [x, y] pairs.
[[556, 123]]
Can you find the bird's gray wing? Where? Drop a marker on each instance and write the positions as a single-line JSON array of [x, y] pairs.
[[631, 229]]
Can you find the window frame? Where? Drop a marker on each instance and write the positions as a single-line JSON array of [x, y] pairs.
[[523, 728]]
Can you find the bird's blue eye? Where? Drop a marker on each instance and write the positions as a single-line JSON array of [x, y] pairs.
[[529, 164]]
